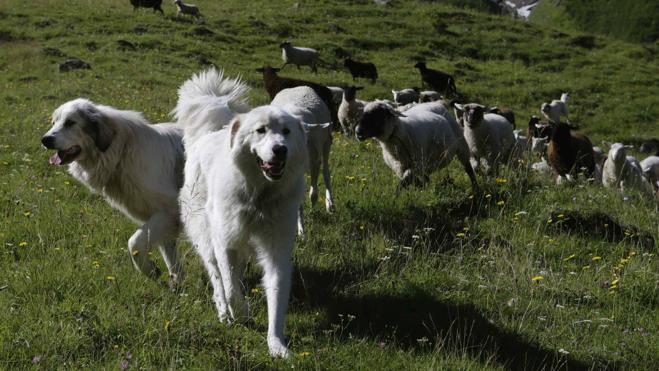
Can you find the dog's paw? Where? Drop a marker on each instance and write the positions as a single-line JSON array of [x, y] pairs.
[[277, 348]]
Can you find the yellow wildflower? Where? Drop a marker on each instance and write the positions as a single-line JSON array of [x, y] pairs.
[[109, 278], [500, 203], [597, 258], [570, 257], [22, 244], [168, 325], [537, 278], [304, 354]]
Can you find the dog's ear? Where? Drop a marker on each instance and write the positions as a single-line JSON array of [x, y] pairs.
[[98, 127], [235, 125]]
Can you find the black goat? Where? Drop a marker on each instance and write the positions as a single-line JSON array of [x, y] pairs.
[[361, 69], [439, 81], [154, 4]]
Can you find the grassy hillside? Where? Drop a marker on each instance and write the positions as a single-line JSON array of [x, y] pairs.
[[525, 275], [635, 21]]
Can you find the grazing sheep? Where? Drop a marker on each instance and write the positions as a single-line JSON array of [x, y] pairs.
[[429, 96], [274, 84], [303, 103], [151, 4], [189, 9], [299, 56], [624, 172], [350, 110], [650, 146], [337, 94], [557, 108], [361, 69], [438, 80], [405, 96], [569, 152], [538, 129], [650, 167], [417, 143], [489, 136]]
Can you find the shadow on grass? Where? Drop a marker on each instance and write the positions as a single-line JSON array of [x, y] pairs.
[[421, 323], [600, 226]]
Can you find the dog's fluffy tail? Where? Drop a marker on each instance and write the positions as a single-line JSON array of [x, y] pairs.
[[564, 97], [207, 102]]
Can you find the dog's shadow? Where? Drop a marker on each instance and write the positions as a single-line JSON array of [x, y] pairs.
[[420, 323]]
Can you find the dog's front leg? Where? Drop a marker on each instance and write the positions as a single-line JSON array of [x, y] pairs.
[[275, 256], [232, 265]]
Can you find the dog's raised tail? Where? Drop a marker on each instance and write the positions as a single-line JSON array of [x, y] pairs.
[[564, 97], [208, 101]]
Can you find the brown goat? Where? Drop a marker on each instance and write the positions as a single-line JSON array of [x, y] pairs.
[[569, 151], [274, 84]]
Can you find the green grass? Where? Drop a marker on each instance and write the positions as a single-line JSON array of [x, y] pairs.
[[635, 21], [432, 279]]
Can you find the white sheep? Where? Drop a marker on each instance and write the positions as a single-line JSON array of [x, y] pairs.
[[557, 108], [490, 136], [650, 167], [414, 144], [303, 103], [189, 9], [350, 109], [405, 96], [298, 56], [624, 172]]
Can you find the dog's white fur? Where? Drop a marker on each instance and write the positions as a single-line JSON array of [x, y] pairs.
[[303, 103], [137, 167], [231, 207]]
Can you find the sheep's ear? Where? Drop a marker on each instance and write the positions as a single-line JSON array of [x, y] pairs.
[[260, 69], [459, 107], [359, 87], [326, 125], [607, 143], [629, 146], [276, 69], [235, 125]]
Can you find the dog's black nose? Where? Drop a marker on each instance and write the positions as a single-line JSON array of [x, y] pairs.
[[279, 150], [48, 141]]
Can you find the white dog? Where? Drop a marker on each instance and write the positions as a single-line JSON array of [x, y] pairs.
[[244, 183], [137, 167]]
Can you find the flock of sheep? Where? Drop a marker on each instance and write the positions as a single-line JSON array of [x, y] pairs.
[[418, 135]]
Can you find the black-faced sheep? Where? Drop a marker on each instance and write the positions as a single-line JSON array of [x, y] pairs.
[[650, 146], [151, 4], [361, 69], [438, 80], [417, 143], [490, 136], [405, 96]]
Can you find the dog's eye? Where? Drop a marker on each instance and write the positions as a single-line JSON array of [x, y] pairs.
[[261, 130], [286, 131], [69, 123]]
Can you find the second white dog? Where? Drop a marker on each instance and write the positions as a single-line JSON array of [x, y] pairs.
[[244, 183]]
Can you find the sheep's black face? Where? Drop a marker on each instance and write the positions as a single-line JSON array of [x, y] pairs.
[[473, 115], [420, 65], [351, 92], [372, 123]]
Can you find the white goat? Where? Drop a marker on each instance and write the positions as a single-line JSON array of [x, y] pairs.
[[650, 167], [557, 108], [189, 9], [414, 144], [350, 109], [303, 103], [624, 172], [489, 136], [405, 96], [299, 56]]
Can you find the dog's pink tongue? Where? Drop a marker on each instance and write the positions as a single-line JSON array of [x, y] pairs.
[[55, 159]]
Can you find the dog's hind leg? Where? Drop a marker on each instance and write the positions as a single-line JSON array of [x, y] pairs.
[[139, 245], [231, 263], [208, 258]]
